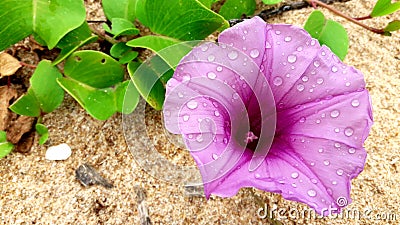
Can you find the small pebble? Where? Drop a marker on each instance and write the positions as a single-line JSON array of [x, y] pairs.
[[58, 152]]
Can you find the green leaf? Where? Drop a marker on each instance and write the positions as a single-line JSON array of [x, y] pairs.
[[93, 68], [127, 97], [328, 32], [121, 27], [271, 2], [49, 19], [384, 7], [183, 20], [121, 9], [146, 79], [99, 103], [5, 147], [207, 3], [393, 26], [154, 43], [44, 86], [123, 52], [170, 50], [73, 40], [43, 132], [234, 9], [27, 105]]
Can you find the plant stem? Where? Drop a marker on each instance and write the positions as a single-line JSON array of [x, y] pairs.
[[27, 65], [363, 18], [333, 10], [103, 35]]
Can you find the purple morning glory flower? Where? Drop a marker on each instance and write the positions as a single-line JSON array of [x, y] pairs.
[[268, 107]]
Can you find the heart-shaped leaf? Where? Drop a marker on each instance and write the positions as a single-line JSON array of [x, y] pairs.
[[384, 7], [183, 20], [44, 95], [329, 33], [123, 9], [94, 69], [27, 105], [121, 26], [49, 19], [74, 40], [5, 147], [44, 85], [99, 103], [234, 9]]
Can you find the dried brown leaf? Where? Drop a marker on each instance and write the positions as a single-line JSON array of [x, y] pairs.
[[8, 65], [6, 95], [19, 127]]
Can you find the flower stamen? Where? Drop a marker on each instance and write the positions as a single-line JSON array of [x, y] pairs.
[[250, 137]]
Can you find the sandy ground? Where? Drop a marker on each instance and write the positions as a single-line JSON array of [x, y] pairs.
[[36, 191]]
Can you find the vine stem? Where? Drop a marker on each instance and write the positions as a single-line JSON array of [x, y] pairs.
[[103, 36], [333, 10]]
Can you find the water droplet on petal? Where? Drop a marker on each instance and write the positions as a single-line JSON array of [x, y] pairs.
[[335, 113], [291, 58], [211, 58], [304, 78], [299, 49], [314, 181], [233, 55], [339, 172], [323, 53], [277, 32], [337, 130], [320, 150], [199, 138], [311, 193], [185, 118], [318, 121], [348, 131], [254, 53], [302, 120], [326, 162], [278, 81], [219, 68], [235, 96], [355, 103], [295, 175], [267, 45], [225, 140], [337, 145], [180, 95], [352, 150], [204, 48], [312, 42], [214, 156], [211, 75], [192, 104], [334, 182], [288, 39], [257, 175], [334, 69], [316, 63], [348, 84], [294, 185], [186, 77], [216, 113], [300, 87]]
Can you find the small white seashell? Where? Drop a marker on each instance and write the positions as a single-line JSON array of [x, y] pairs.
[[58, 152]]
